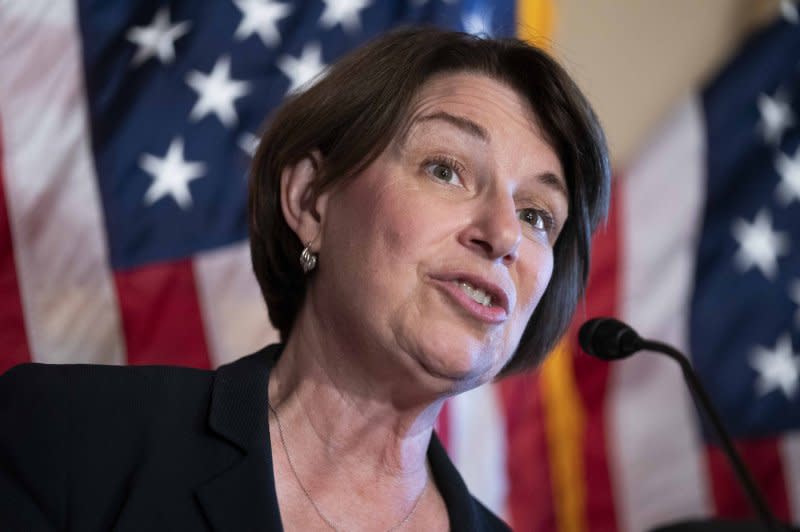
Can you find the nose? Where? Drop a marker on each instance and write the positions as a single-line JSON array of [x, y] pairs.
[[495, 229]]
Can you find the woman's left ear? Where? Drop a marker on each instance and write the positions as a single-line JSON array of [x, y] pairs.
[[302, 207]]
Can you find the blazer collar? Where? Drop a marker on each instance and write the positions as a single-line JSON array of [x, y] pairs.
[[238, 410], [242, 496]]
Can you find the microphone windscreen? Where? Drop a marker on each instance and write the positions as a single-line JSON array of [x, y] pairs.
[[586, 335], [608, 338]]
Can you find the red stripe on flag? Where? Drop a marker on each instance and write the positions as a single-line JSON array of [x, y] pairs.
[[13, 337], [592, 375], [161, 315], [763, 458], [530, 499]]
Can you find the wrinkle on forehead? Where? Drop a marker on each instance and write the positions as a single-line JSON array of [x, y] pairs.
[[473, 102], [450, 88]]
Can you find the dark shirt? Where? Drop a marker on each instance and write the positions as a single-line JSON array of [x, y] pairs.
[[89, 447]]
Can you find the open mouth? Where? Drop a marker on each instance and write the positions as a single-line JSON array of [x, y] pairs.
[[476, 294], [477, 290]]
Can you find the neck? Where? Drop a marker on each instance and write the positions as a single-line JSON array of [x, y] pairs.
[[356, 444], [356, 421], [345, 415]]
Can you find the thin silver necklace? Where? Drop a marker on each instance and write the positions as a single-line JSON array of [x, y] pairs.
[[311, 500]]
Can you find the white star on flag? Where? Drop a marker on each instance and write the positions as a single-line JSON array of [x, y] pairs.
[[789, 11], [789, 170], [217, 92], [344, 12], [759, 245], [776, 116], [778, 368], [171, 175], [303, 69], [248, 143], [794, 294], [261, 17], [478, 23], [157, 39]]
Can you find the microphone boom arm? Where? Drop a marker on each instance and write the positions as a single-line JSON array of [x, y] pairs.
[[700, 395]]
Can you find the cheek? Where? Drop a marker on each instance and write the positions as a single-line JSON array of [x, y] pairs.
[[535, 278], [360, 215], [379, 229], [401, 224], [397, 226]]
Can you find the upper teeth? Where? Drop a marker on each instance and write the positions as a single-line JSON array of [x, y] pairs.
[[476, 293]]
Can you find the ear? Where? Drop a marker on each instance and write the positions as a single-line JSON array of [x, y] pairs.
[[302, 208]]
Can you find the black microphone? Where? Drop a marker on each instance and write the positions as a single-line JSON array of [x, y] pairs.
[[611, 339]]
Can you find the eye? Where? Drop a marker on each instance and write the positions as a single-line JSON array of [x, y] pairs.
[[538, 219], [443, 173], [445, 170]]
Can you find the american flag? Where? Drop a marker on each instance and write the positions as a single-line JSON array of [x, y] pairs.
[[703, 251], [126, 129]]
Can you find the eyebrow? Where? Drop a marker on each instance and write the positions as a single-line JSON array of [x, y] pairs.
[[476, 130], [556, 183], [464, 124]]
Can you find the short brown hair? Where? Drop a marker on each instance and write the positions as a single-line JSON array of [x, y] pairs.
[[353, 113]]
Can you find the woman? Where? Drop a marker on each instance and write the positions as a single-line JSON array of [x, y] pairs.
[[420, 225]]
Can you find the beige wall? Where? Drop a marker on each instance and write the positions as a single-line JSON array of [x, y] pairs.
[[636, 58]]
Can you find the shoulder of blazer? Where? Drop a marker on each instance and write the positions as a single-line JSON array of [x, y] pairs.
[[92, 427], [39, 392]]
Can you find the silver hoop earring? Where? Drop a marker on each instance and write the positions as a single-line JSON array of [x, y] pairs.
[[308, 259]]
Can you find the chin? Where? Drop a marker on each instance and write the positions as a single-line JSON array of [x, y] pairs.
[[460, 360]]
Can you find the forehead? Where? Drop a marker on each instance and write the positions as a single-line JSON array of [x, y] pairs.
[[486, 101], [492, 121]]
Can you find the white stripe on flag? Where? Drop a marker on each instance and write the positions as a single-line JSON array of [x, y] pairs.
[[790, 452], [234, 312], [54, 209], [657, 456], [478, 445]]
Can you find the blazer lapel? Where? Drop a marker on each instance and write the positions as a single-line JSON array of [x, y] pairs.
[[242, 497], [460, 505]]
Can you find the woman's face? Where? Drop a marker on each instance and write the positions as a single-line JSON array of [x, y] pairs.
[[437, 254]]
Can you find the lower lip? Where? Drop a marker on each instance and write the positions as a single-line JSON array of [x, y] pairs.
[[492, 314]]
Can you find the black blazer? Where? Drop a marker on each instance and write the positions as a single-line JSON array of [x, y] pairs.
[[87, 447]]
